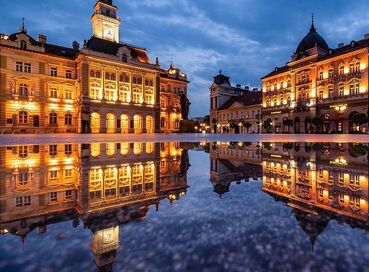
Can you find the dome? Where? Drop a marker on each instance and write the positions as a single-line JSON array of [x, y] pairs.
[[311, 40]]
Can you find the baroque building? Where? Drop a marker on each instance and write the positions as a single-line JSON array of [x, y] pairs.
[[320, 90], [104, 87], [233, 109]]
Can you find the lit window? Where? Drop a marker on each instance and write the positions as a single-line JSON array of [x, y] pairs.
[[68, 174], [23, 151], [54, 93], [23, 117], [53, 176]]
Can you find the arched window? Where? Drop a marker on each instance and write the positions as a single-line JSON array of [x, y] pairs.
[[23, 45], [98, 74], [23, 89], [92, 73], [23, 117], [112, 77], [68, 119], [95, 122], [110, 123], [107, 76], [124, 58], [53, 118]]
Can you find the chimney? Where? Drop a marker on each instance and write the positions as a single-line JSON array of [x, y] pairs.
[[255, 89], [238, 86], [340, 45], [75, 46], [247, 88], [366, 36], [42, 39]]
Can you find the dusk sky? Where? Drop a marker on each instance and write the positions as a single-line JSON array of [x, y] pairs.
[[244, 38]]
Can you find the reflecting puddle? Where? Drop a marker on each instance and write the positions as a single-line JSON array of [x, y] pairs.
[[184, 206]]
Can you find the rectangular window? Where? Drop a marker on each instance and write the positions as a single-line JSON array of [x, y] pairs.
[[68, 74], [53, 196], [331, 92], [68, 194], [54, 72], [27, 68], [53, 150], [68, 94], [68, 174], [54, 93], [68, 149], [19, 67], [341, 91]]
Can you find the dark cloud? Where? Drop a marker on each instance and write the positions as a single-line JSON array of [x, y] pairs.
[[245, 38]]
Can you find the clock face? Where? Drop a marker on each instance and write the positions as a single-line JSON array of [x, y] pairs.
[[108, 32]]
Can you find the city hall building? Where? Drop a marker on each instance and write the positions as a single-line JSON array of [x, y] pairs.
[[106, 86], [320, 90]]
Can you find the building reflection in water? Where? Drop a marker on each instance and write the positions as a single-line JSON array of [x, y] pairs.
[[320, 182], [103, 185]]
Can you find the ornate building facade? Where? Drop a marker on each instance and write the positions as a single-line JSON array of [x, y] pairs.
[[104, 87], [320, 90], [233, 109]]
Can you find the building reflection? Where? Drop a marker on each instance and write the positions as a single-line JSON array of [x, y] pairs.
[[319, 182], [102, 185], [233, 162]]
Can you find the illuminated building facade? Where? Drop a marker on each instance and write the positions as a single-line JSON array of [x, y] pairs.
[[320, 90], [316, 177], [104, 87], [103, 185], [233, 109]]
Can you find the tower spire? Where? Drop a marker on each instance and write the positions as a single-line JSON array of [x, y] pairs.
[[23, 28], [312, 28]]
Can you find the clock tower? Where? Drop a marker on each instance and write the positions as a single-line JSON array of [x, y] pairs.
[[105, 22]]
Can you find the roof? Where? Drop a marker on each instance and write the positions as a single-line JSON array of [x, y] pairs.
[[248, 99], [51, 49], [311, 40], [111, 48], [221, 79], [354, 45]]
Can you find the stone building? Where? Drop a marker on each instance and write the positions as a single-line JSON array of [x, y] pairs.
[[320, 90], [233, 109], [106, 86]]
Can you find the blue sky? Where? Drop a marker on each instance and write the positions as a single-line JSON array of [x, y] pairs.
[[244, 38]]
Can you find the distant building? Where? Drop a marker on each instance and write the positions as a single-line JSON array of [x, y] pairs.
[[233, 109], [104, 87], [320, 90]]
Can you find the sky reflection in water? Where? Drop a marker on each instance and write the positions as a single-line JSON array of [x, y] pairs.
[[182, 207]]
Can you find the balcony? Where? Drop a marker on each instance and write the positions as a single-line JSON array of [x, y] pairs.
[[345, 98]]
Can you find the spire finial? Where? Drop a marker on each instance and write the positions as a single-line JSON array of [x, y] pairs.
[[23, 28], [312, 28], [171, 63], [220, 71]]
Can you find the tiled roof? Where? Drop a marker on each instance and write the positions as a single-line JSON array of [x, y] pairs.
[[248, 99], [111, 48]]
